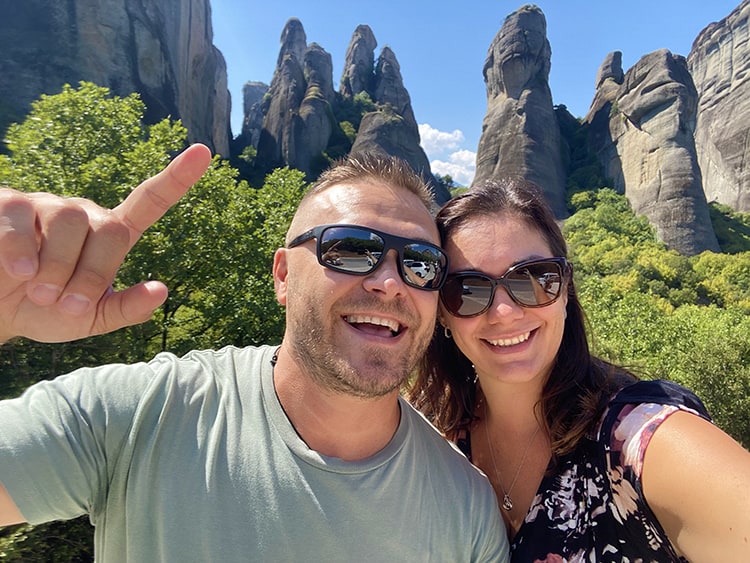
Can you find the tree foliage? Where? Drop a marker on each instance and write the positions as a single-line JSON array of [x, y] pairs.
[[663, 314]]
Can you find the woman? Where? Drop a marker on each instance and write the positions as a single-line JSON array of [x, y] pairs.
[[588, 463]]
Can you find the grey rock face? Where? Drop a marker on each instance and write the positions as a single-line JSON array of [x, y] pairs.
[[276, 145], [297, 111], [520, 135], [252, 98], [719, 62], [359, 63], [393, 128], [643, 132], [163, 50]]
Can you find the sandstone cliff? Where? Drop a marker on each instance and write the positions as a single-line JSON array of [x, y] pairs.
[[643, 132], [520, 135], [719, 62], [162, 49]]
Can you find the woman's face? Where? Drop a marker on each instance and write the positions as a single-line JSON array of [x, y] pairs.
[[507, 343]]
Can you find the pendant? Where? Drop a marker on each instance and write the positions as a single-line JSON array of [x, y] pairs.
[[507, 503]]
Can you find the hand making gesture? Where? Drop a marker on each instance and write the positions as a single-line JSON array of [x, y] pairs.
[[59, 256]]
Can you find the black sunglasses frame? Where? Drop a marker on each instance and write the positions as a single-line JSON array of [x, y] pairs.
[[564, 267], [389, 242]]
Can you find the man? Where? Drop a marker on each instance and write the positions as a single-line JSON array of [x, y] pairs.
[[299, 452]]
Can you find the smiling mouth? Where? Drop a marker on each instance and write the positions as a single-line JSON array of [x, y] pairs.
[[374, 325], [505, 342]]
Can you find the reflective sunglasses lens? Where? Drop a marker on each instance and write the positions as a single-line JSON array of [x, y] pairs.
[[423, 266], [536, 284], [349, 249], [466, 296]]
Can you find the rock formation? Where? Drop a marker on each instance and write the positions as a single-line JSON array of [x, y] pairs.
[[300, 126], [520, 135], [393, 129], [719, 62], [359, 63], [298, 118], [643, 133], [252, 98], [161, 49]]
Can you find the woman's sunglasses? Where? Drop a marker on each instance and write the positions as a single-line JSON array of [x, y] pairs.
[[356, 250], [533, 283]]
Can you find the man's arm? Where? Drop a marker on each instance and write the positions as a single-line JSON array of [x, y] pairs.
[[9, 513], [59, 256]]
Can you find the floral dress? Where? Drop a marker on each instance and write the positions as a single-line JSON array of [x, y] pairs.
[[592, 509]]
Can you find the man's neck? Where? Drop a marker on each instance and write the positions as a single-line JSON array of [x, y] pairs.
[[332, 423]]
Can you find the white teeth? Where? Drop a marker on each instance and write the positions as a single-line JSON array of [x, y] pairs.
[[388, 323], [510, 341]]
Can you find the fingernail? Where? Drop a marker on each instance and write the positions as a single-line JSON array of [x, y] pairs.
[[75, 304], [23, 268], [45, 294]]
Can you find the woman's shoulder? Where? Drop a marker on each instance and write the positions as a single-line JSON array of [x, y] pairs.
[[636, 411]]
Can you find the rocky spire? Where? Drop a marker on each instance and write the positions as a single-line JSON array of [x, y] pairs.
[[392, 129], [359, 63], [645, 143], [520, 134], [718, 62]]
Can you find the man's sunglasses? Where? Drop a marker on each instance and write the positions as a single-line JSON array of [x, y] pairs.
[[356, 250], [533, 283]]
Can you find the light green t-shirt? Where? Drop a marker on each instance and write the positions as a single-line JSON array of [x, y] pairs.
[[193, 459]]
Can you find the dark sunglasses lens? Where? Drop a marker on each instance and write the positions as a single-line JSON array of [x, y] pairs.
[[536, 284], [466, 296], [423, 266], [350, 249]]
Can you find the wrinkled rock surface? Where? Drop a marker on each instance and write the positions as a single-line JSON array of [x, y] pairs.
[[719, 62], [520, 135], [359, 63], [161, 49], [649, 152], [252, 98]]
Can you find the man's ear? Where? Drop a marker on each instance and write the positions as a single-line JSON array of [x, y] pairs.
[[280, 273]]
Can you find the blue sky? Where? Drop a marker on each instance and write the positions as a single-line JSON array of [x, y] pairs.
[[441, 47]]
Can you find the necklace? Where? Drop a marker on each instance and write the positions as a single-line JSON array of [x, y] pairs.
[[507, 503]]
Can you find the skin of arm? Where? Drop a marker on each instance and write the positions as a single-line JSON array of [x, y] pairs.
[[9, 513], [696, 480]]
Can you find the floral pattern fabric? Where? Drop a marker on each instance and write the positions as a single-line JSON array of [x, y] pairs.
[[591, 508]]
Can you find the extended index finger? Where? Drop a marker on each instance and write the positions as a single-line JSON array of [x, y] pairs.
[[150, 200]]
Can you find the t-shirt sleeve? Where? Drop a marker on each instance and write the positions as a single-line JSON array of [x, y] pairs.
[[635, 417], [60, 438]]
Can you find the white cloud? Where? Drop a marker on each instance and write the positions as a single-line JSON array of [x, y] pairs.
[[446, 155], [458, 168], [437, 143]]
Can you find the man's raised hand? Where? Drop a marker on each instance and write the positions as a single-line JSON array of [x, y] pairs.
[[59, 256]]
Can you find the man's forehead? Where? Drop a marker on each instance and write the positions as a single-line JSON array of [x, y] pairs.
[[377, 205]]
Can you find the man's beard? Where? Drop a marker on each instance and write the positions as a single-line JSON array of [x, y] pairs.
[[378, 372]]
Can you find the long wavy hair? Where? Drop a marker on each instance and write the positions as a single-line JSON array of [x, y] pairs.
[[579, 386]]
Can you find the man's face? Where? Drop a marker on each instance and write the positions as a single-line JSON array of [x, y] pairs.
[[359, 335]]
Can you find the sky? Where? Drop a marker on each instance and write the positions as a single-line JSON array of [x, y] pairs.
[[441, 47]]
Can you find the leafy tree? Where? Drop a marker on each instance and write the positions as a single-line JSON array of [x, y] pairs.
[[663, 314], [732, 228]]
